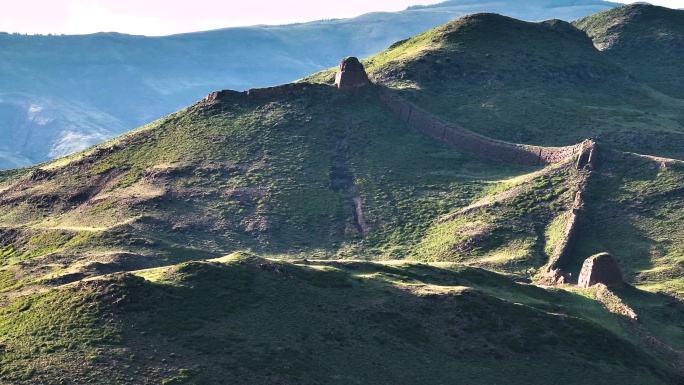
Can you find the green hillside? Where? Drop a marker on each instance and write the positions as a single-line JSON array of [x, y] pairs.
[[646, 38], [537, 83], [245, 319], [305, 234], [64, 93], [634, 209], [278, 176]]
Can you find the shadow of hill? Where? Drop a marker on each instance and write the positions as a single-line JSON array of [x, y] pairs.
[[263, 321]]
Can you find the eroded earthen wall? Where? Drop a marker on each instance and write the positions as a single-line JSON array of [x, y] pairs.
[[266, 93], [223, 95], [351, 75], [471, 142], [278, 91], [562, 254]]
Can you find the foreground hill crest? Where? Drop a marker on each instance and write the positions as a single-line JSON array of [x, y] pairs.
[[166, 254]]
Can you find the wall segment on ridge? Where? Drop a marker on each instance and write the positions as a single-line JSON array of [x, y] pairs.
[[268, 92], [585, 154], [471, 142], [423, 121]]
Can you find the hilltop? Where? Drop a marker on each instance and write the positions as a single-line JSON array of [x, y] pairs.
[[306, 233], [537, 83], [62, 94], [318, 172], [642, 38]]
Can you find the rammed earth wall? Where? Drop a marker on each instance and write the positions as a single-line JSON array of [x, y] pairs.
[[585, 153], [435, 128], [471, 142], [562, 254], [268, 92]]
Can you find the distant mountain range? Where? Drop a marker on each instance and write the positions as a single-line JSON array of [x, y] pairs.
[[60, 94]]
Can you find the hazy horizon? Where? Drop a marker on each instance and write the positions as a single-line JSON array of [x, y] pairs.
[[159, 18]]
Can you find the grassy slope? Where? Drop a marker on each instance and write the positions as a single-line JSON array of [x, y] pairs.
[[569, 91], [103, 84], [641, 38], [539, 83], [276, 176], [477, 59], [634, 210], [247, 319], [514, 229], [279, 177]]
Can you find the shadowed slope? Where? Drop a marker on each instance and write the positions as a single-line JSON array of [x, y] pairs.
[[647, 40], [248, 319]]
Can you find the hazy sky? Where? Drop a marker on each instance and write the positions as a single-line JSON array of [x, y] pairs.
[[163, 17]]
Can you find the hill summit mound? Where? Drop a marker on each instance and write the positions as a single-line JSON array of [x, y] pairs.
[[646, 40]]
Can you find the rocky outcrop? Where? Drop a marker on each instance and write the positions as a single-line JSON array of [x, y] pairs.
[[469, 141], [351, 74], [600, 268]]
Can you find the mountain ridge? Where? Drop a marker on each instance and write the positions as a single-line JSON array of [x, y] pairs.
[[304, 234], [147, 78], [477, 70], [646, 36]]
